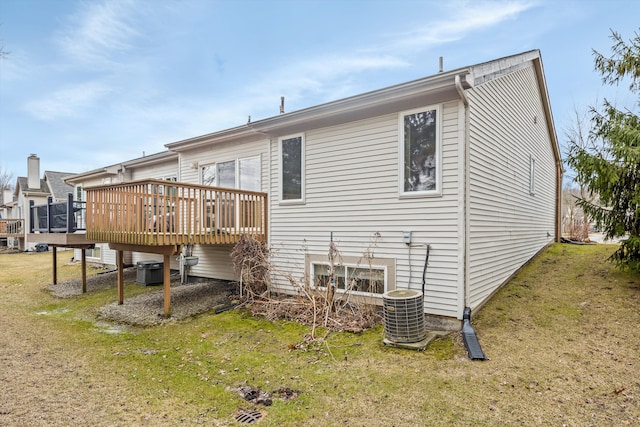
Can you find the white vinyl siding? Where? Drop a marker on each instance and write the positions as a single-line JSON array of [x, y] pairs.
[[351, 195], [163, 170], [532, 175], [508, 224]]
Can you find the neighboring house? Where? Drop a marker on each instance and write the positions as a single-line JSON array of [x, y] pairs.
[[6, 206], [31, 189], [163, 166], [465, 163]]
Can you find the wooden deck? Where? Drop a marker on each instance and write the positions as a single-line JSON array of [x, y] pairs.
[[155, 216], [11, 228], [68, 240], [166, 213]]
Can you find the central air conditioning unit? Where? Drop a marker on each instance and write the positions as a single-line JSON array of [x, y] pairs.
[[150, 273], [404, 323]]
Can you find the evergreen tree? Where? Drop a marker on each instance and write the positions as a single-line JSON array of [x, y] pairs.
[[609, 166]]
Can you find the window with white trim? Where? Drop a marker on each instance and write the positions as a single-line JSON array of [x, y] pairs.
[[243, 174], [359, 280], [94, 252], [292, 169], [420, 151], [532, 175]]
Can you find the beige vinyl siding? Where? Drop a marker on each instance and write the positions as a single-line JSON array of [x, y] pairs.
[[351, 192], [156, 171], [215, 261], [508, 225]]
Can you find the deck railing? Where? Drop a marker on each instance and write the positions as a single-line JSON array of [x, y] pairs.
[[11, 228], [58, 217], [157, 212]]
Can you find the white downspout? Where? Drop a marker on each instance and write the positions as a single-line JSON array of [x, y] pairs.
[[269, 199], [460, 90], [463, 164]]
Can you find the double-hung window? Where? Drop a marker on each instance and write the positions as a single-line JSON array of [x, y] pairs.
[[420, 167], [292, 169]]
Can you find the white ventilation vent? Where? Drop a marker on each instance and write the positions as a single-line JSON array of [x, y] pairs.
[[404, 316]]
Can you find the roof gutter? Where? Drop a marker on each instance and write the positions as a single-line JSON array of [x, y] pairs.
[[437, 88], [112, 170]]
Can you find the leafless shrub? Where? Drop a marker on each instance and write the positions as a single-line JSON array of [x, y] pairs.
[[331, 304], [251, 262]]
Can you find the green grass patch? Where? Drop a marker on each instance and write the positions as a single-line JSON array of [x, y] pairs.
[[559, 337]]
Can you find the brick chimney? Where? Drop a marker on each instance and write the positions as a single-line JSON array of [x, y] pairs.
[[33, 172]]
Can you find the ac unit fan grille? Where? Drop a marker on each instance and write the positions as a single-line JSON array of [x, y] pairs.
[[404, 316]]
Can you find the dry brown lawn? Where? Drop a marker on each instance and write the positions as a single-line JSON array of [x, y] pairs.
[[562, 339]]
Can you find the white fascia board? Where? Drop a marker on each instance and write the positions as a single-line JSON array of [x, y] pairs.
[[113, 170], [382, 101], [151, 159], [240, 132]]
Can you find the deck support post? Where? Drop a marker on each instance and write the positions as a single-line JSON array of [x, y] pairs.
[[167, 286], [120, 263], [55, 265], [84, 270], [166, 251]]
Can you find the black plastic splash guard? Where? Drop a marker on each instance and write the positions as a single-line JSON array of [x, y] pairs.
[[469, 337]]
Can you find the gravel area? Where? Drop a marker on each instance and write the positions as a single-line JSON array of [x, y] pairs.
[[148, 309]]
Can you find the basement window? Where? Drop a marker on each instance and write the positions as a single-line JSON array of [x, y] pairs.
[[350, 278]]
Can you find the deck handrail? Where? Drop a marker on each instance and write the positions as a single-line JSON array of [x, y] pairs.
[[10, 227], [57, 217], [156, 212]]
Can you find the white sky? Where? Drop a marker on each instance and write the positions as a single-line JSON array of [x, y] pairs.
[[90, 83]]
